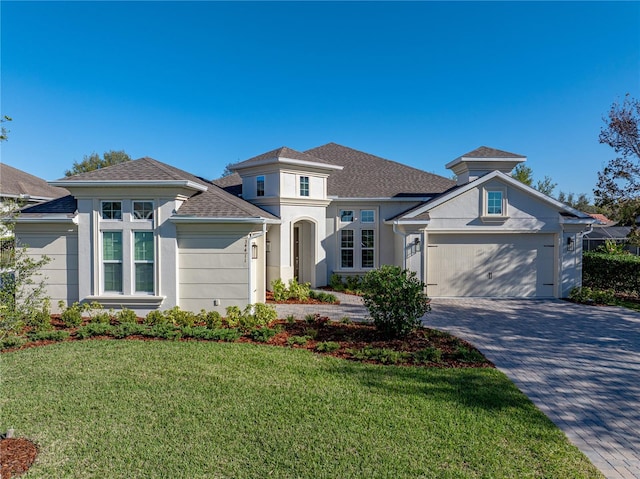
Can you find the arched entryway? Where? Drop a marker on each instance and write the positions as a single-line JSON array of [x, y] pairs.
[[304, 251]]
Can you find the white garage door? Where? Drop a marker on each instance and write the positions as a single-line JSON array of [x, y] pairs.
[[506, 265]]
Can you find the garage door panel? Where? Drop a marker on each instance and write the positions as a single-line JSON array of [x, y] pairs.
[[490, 266]]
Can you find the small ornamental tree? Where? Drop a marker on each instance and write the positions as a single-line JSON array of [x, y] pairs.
[[395, 299]]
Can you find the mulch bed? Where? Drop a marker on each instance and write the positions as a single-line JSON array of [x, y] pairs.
[[16, 456]]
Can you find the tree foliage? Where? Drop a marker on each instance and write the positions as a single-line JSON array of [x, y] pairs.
[[395, 299], [524, 174], [95, 162], [618, 187], [227, 170], [4, 133]]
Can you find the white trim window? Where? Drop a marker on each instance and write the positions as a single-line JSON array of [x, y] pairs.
[[143, 259], [112, 261], [304, 186], [346, 216], [143, 210], [494, 204], [367, 251], [346, 248], [111, 210], [367, 216], [260, 185]]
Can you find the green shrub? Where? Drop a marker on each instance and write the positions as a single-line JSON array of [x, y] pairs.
[[311, 333], [155, 317], [382, 355], [234, 314], [395, 299], [180, 317], [12, 341], [291, 319], [297, 340], [264, 314], [310, 318], [323, 297], [57, 335], [94, 329], [40, 320], [212, 319], [223, 334], [164, 331], [126, 329], [336, 283], [126, 316], [353, 282], [327, 346], [592, 296], [346, 320], [428, 355], [299, 291], [468, 355], [279, 289], [618, 272], [71, 316], [263, 335], [196, 332]]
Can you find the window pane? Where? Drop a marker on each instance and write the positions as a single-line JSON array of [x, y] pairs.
[[260, 186], [112, 245], [113, 277], [367, 216], [367, 258], [143, 210], [144, 277], [347, 239], [367, 238], [347, 258], [494, 202], [112, 210], [346, 216], [304, 186], [143, 248]]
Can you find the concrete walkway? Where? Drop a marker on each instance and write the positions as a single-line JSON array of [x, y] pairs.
[[580, 365]]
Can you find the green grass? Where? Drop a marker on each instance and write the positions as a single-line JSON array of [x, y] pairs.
[[160, 409]]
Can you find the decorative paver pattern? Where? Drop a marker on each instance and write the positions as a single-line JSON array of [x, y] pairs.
[[579, 364]]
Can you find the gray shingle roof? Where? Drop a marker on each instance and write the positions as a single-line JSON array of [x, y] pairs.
[[282, 152], [15, 182], [212, 203], [486, 152], [67, 205], [369, 176]]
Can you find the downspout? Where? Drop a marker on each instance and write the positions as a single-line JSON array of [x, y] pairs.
[[404, 244], [250, 237]]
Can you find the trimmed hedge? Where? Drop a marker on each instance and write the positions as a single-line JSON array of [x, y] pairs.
[[606, 271]]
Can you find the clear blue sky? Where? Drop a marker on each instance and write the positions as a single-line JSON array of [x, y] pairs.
[[199, 85]]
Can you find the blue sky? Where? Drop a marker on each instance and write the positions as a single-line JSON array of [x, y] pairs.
[[202, 84]]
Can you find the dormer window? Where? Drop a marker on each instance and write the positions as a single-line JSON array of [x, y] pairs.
[[494, 203], [260, 186], [304, 186]]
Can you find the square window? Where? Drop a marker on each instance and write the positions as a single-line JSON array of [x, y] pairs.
[[143, 246], [346, 216], [494, 202], [367, 238], [347, 258], [304, 186], [367, 258], [112, 210], [367, 216], [260, 186], [113, 277], [143, 210], [112, 245], [346, 239], [144, 277]]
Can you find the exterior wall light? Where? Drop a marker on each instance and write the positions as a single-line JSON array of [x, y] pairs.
[[254, 251], [571, 244]]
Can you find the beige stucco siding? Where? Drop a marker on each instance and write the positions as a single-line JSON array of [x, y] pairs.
[[60, 243]]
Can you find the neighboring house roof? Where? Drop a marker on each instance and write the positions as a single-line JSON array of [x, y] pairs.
[[15, 183], [611, 232], [601, 219], [370, 176], [65, 206], [210, 202]]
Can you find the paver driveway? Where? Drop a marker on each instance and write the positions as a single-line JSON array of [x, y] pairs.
[[579, 364]]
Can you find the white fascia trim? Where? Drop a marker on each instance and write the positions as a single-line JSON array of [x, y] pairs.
[[406, 222], [140, 183], [202, 219], [483, 230], [26, 197], [386, 199], [285, 161], [576, 221], [511, 181], [45, 219]]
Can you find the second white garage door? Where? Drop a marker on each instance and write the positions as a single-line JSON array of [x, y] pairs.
[[507, 265]]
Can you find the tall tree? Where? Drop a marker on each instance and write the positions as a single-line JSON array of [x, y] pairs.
[[4, 133], [227, 171], [618, 187], [95, 162], [524, 174]]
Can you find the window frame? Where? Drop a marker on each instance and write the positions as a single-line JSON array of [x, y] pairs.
[[373, 216], [346, 248], [135, 262], [341, 214], [487, 215], [260, 183], [304, 186], [102, 210], [104, 261], [133, 210], [365, 247]]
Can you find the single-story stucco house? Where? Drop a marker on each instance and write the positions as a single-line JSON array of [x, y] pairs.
[[146, 235]]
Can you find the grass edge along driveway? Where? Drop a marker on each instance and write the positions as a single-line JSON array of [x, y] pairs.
[[156, 409]]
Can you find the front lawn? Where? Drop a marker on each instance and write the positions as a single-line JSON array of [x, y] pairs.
[[147, 409]]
